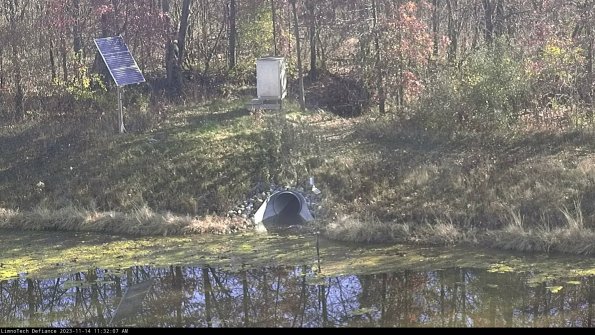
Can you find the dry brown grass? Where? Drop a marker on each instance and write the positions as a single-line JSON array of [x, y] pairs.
[[520, 189], [140, 222], [365, 227], [443, 231], [573, 237]]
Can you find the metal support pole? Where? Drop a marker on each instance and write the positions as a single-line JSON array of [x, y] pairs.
[[120, 111]]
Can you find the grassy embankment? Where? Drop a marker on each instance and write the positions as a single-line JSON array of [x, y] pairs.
[[383, 179]]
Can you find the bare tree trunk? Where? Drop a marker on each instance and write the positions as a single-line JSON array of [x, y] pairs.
[[19, 95], [64, 60], [171, 54], [183, 31], [500, 18], [104, 25], [378, 65], [296, 31], [401, 68], [274, 19], [1, 67], [289, 23], [76, 30], [232, 35], [488, 8], [14, 19], [52, 60], [321, 51], [98, 64], [77, 43], [435, 28], [451, 6], [311, 6], [589, 65], [477, 26]]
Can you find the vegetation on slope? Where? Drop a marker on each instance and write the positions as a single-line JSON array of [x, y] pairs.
[[384, 178]]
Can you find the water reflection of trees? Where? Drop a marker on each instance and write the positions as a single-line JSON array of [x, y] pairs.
[[284, 297]]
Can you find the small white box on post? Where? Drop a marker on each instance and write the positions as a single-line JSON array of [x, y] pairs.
[[271, 83]]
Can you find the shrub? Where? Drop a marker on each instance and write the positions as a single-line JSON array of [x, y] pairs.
[[489, 91], [344, 96]]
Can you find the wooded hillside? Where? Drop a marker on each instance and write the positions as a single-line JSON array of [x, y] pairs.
[[461, 62]]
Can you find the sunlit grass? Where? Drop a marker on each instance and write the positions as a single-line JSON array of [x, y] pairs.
[[139, 222], [383, 179]]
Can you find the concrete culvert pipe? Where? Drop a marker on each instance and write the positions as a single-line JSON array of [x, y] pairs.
[[284, 208]]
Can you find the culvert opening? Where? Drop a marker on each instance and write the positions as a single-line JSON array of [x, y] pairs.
[[287, 206]]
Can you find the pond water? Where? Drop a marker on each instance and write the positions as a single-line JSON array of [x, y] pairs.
[[355, 286], [292, 297]]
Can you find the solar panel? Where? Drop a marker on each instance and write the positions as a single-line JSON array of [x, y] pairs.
[[119, 61]]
